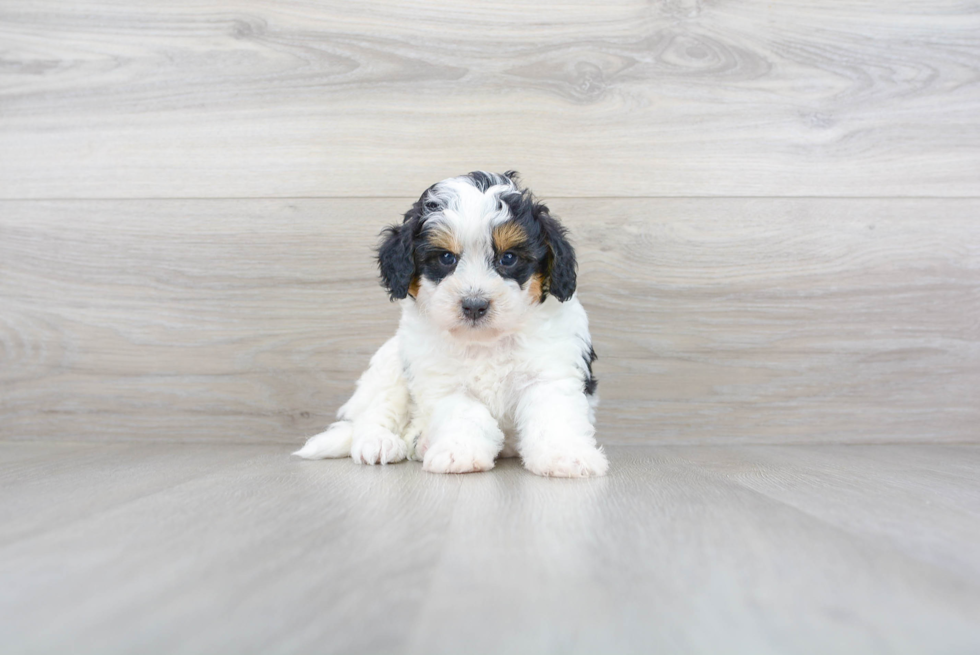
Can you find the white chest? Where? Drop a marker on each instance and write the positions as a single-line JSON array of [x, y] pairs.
[[550, 346], [494, 376]]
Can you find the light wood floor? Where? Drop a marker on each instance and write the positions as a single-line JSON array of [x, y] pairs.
[[775, 209], [193, 548]]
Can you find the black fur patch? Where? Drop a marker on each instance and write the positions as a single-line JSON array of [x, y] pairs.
[[483, 180], [427, 260], [404, 253], [529, 256], [591, 383], [554, 257], [396, 254], [396, 260]]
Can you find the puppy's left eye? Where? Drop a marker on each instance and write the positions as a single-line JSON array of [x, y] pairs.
[[508, 259]]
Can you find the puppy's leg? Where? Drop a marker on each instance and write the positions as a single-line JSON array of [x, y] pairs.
[[461, 437], [557, 437], [413, 437], [374, 417]]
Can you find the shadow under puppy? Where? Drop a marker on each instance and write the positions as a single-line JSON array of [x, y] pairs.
[[492, 356]]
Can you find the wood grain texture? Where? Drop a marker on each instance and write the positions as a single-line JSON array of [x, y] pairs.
[[755, 549], [715, 320], [623, 98], [257, 554]]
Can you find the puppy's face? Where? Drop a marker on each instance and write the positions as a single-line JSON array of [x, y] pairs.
[[476, 253]]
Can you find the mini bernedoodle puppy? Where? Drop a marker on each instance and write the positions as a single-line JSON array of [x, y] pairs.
[[492, 357]]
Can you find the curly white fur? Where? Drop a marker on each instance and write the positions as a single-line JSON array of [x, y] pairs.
[[456, 393]]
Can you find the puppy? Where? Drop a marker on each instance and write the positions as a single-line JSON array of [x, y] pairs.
[[492, 356]]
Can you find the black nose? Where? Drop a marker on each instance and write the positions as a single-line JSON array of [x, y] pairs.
[[475, 308]]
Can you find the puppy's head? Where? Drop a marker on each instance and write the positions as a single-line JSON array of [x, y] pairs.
[[476, 253]]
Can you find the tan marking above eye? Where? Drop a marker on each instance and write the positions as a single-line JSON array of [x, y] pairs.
[[444, 239], [508, 235]]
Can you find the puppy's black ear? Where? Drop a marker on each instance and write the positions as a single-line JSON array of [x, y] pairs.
[[396, 254], [560, 280]]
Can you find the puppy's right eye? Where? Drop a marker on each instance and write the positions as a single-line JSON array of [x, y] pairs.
[[431, 205], [447, 258]]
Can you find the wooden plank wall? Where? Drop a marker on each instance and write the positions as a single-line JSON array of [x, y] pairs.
[[776, 206]]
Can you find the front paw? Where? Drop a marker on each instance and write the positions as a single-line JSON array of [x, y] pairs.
[[569, 462], [377, 446], [457, 456]]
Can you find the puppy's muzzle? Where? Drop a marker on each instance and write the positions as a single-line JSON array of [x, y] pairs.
[[475, 308]]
